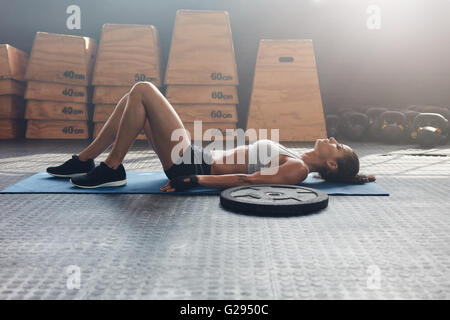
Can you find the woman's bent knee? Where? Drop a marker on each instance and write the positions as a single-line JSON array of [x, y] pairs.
[[143, 87]]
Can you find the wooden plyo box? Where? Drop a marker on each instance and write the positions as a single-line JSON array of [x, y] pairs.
[[189, 127], [286, 93], [202, 51], [38, 90], [11, 107], [11, 128], [10, 86], [202, 94], [57, 129], [99, 125], [128, 53], [206, 112], [109, 95], [103, 111], [45, 110], [13, 63], [62, 58]]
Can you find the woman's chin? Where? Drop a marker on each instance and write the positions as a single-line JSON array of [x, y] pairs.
[[316, 144]]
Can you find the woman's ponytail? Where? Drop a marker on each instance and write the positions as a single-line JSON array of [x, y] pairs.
[[359, 179], [347, 172]]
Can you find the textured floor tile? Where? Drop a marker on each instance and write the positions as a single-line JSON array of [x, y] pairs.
[[150, 246]]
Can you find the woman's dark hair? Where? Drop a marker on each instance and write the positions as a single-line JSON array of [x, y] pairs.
[[347, 171]]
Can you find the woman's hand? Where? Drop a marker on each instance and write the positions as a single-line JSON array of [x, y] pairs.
[[167, 187], [181, 183]]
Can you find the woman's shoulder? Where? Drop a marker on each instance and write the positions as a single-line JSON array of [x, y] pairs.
[[294, 170], [296, 164], [299, 164]]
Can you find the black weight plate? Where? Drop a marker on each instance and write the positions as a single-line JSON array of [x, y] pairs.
[[275, 200]]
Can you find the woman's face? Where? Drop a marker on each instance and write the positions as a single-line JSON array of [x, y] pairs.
[[330, 149]]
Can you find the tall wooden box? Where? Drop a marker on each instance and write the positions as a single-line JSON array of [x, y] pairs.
[[286, 93], [128, 53], [62, 58], [202, 51]]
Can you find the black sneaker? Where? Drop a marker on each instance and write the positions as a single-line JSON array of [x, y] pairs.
[[101, 176], [72, 168]]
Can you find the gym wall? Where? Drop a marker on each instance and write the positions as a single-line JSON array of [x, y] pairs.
[[368, 52]]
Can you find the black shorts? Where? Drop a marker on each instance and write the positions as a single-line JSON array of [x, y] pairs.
[[200, 163]]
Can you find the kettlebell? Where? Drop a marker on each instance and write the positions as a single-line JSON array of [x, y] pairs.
[[355, 125], [431, 128], [374, 114], [393, 127]]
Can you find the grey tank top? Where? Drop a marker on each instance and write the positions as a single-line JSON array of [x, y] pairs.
[[262, 152]]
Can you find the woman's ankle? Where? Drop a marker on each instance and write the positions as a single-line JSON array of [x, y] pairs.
[[112, 164], [82, 157]]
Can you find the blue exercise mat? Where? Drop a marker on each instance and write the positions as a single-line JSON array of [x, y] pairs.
[[150, 182]]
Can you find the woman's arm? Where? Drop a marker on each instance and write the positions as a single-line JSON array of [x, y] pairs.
[[224, 181], [290, 172]]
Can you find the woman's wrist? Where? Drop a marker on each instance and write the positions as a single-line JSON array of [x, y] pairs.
[[199, 178]]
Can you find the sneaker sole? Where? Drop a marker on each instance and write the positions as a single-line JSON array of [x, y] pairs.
[[66, 175], [108, 184]]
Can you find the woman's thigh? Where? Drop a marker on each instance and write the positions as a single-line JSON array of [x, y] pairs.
[[163, 121]]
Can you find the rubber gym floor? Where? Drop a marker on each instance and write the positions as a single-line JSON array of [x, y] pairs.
[[188, 247]]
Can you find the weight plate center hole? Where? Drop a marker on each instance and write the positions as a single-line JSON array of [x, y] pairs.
[[273, 193]]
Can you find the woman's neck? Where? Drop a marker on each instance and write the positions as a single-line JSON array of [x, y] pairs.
[[311, 161]]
